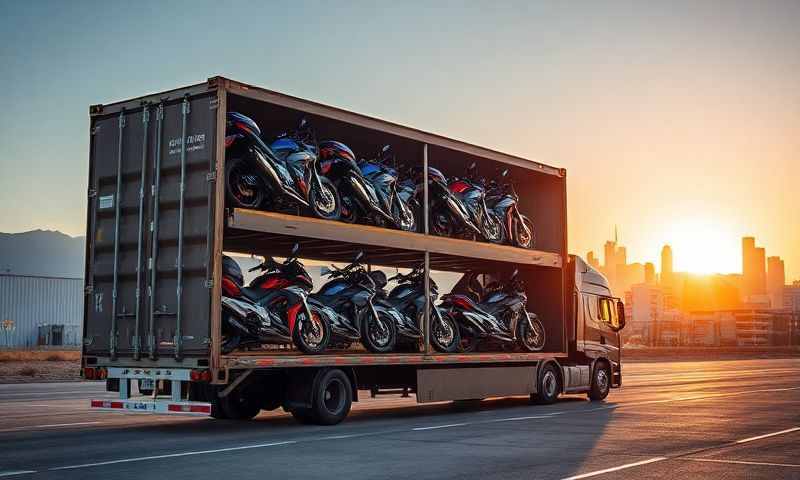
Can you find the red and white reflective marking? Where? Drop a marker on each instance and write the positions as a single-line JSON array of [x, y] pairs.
[[153, 406]]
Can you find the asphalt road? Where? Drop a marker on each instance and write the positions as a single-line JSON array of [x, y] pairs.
[[733, 419]]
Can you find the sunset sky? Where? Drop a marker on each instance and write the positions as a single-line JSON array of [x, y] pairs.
[[677, 121]]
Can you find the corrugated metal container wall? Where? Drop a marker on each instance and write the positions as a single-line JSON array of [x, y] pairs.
[[28, 302]]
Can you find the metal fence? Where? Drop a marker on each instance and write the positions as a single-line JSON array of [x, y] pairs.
[[40, 311]]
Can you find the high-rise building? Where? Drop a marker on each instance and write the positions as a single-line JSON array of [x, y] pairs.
[[666, 265], [754, 281], [791, 297], [776, 279], [649, 273]]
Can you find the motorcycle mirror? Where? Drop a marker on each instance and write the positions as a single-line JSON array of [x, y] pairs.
[[385, 148], [295, 249], [505, 172], [303, 123], [472, 166], [516, 271], [359, 256]]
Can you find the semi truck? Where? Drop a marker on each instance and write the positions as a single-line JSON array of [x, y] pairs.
[[158, 226]]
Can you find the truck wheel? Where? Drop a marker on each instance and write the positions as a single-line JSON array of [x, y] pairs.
[[601, 382], [332, 397], [239, 405], [549, 386]]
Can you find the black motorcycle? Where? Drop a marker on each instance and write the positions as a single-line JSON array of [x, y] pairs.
[[499, 315], [472, 193], [280, 176], [367, 189], [272, 309], [346, 302], [448, 216], [405, 305], [503, 200]]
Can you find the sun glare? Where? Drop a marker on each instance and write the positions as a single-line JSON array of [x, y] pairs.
[[703, 246]]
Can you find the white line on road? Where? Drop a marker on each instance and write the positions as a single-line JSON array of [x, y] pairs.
[[16, 472], [742, 462], [614, 469], [767, 435], [439, 426], [173, 455], [52, 425]]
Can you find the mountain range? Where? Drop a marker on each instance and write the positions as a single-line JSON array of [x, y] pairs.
[[42, 252]]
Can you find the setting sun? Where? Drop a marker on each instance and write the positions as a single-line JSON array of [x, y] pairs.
[[703, 246]]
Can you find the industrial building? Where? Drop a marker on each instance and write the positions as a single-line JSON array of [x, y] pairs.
[[40, 311]]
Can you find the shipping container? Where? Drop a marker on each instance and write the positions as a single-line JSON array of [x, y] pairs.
[[158, 225]]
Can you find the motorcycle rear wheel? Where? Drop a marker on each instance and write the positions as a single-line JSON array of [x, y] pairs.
[[244, 187]]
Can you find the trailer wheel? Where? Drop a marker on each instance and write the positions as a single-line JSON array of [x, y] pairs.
[[601, 381], [241, 404], [549, 386], [331, 399]]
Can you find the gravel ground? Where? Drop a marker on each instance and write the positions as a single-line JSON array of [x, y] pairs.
[[39, 371]]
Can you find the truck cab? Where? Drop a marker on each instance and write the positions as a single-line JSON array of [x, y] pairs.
[[599, 317]]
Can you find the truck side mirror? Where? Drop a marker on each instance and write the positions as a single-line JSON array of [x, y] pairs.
[[621, 315]]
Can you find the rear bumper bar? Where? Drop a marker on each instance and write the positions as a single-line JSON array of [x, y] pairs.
[[164, 407]]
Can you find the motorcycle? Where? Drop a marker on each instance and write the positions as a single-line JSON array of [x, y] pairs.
[[346, 302], [282, 175], [472, 193], [367, 189], [395, 196], [448, 215], [498, 315], [503, 200], [272, 309], [405, 305]]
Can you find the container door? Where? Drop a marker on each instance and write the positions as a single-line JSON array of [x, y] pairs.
[[149, 230]]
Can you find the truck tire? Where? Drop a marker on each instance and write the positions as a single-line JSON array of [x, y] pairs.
[[548, 387], [239, 405], [601, 382], [331, 398]]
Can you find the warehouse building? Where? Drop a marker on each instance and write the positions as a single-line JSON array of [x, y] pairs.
[[40, 311]]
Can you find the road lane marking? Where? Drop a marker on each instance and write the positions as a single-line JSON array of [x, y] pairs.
[[435, 427], [615, 469], [516, 419], [52, 425], [742, 462], [173, 455], [767, 435], [16, 472]]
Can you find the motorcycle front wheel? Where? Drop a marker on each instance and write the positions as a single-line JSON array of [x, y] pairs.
[[312, 335], [493, 230], [531, 340], [244, 187], [406, 223], [325, 201], [445, 337], [524, 236], [378, 334]]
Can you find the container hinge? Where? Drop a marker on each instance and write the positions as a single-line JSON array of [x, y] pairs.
[[160, 112], [211, 176], [146, 114], [92, 193], [208, 284], [186, 110], [122, 119], [88, 289], [213, 104], [95, 130]]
